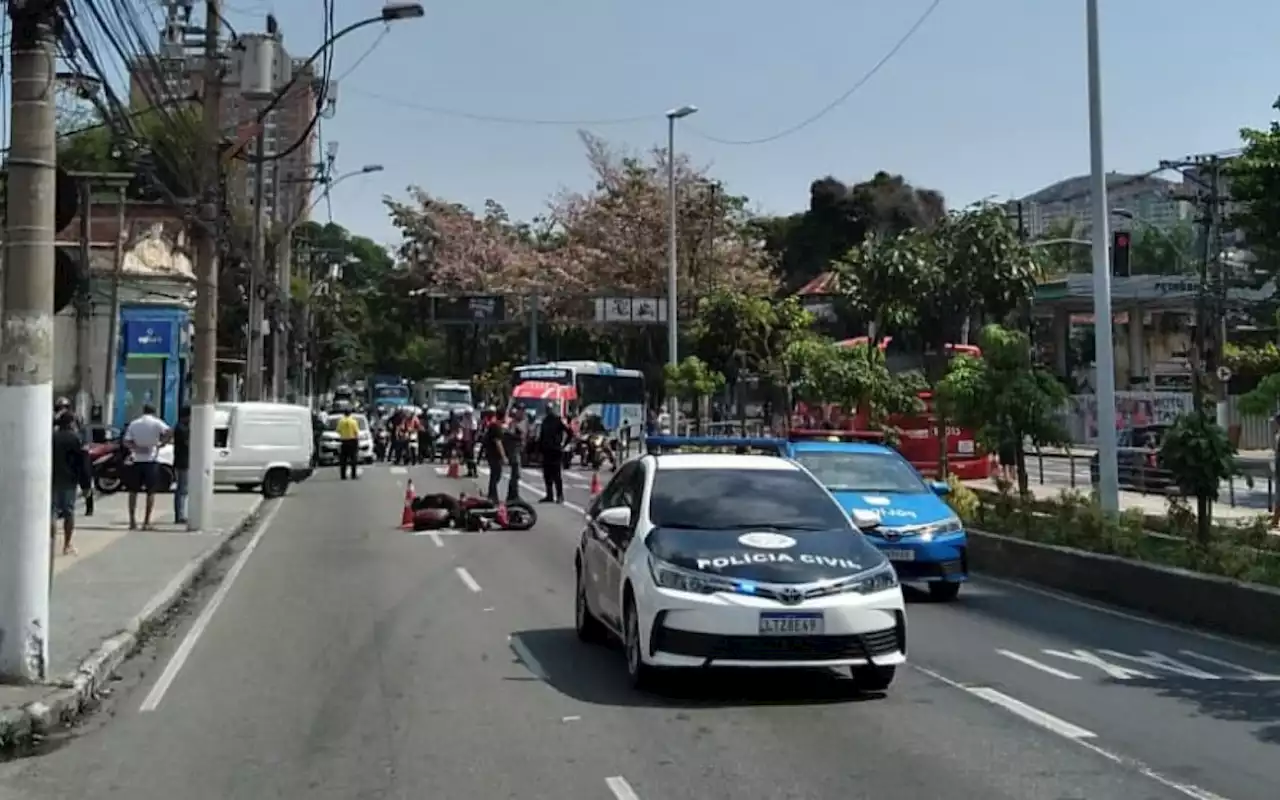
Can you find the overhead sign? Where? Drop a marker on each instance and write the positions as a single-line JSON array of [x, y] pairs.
[[631, 310], [469, 310]]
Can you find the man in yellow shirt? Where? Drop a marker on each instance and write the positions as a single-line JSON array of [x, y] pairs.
[[349, 447]]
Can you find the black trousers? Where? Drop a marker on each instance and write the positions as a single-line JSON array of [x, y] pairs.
[[553, 475], [349, 456], [513, 485], [495, 479]]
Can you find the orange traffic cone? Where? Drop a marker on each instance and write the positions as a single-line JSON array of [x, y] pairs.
[[595, 483], [501, 516], [406, 516], [453, 471]]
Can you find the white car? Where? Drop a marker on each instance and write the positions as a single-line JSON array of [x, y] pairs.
[[330, 444], [698, 559]]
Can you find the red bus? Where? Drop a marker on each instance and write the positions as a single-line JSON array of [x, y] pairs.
[[919, 438]]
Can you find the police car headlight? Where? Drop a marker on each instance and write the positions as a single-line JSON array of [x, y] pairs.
[[669, 576], [880, 579], [952, 525]]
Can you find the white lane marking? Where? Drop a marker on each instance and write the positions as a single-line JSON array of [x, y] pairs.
[[620, 788], [1129, 616], [152, 701], [526, 657], [398, 471], [1031, 662], [435, 539], [1030, 713], [466, 578], [1245, 672], [1186, 789], [566, 504]]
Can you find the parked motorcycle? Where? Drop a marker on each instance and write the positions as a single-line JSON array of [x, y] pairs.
[[109, 465]]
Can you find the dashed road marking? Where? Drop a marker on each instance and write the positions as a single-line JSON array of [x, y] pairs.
[[466, 579], [620, 788], [1031, 662]]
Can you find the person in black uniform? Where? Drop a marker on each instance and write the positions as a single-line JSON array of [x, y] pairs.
[[494, 453], [517, 431], [553, 434]]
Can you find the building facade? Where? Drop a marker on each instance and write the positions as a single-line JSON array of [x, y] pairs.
[[1153, 202]]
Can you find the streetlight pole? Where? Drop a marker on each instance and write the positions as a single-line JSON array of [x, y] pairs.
[[1108, 477], [673, 326]]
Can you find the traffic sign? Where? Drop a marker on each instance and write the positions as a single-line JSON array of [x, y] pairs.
[[1224, 374]]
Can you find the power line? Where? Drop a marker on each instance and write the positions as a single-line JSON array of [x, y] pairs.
[[836, 103], [501, 119], [368, 52]]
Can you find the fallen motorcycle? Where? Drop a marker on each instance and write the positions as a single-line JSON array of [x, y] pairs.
[[471, 513]]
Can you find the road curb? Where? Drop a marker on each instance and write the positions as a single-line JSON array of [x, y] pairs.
[[68, 697], [1212, 602]]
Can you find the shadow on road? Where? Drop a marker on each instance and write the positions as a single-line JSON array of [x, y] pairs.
[[1242, 701], [597, 674]]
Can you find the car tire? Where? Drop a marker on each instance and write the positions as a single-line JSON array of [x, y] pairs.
[[873, 678], [642, 675], [589, 628], [275, 483], [944, 591]]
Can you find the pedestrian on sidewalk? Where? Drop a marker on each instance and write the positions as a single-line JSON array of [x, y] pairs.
[[348, 446], [181, 464], [144, 437], [552, 437], [71, 472]]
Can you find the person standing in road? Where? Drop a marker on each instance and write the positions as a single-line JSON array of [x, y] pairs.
[[71, 472], [513, 442], [181, 464], [494, 451], [348, 445], [144, 437], [553, 434]]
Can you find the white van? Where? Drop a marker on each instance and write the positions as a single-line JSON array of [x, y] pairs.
[[267, 445]]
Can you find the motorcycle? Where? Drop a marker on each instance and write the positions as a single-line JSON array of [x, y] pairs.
[[108, 466], [471, 513], [595, 451], [380, 444]]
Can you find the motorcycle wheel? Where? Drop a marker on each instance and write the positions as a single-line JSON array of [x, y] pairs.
[[520, 516], [107, 484]]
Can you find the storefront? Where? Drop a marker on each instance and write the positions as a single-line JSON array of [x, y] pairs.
[[153, 362]]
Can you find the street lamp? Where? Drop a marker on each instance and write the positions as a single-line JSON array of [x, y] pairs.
[[1108, 477], [673, 329], [394, 11]]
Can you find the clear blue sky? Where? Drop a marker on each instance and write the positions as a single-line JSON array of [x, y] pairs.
[[989, 97]]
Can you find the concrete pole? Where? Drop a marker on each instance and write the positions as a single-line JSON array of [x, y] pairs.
[[113, 322], [84, 306], [254, 361], [26, 350], [205, 341]]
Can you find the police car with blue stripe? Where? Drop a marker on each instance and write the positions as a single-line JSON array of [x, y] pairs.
[[694, 558], [918, 532]]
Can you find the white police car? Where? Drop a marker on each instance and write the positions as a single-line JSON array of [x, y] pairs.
[[708, 559]]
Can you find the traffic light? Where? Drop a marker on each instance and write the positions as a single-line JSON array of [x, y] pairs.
[[68, 272], [1120, 241]]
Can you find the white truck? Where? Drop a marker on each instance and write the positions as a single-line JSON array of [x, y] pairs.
[[443, 396]]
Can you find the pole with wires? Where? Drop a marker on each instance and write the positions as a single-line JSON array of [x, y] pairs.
[[205, 340], [254, 360], [26, 348]]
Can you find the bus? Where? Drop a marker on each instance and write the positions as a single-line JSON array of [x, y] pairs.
[[918, 440], [616, 395]]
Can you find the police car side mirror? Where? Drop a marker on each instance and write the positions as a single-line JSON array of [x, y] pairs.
[[940, 488], [865, 520], [617, 517]]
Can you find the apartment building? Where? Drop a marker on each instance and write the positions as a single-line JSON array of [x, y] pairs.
[[1153, 202]]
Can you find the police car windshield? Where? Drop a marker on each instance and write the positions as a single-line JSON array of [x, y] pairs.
[[862, 472], [723, 499]]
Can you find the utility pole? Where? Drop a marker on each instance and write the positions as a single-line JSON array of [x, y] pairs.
[[113, 322], [205, 344], [280, 277], [254, 362], [84, 304], [26, 347]]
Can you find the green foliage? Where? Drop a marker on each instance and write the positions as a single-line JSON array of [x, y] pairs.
[[1198, 453], [1251, 361], [1004, 395], [963, 500], [160, 147], [692, 379], [737, 333], [1163, 251], [852, 378], [1254, 178], [877, 280], [1262, 400]]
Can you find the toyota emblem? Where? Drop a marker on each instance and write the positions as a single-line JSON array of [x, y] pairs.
[[790, 596]]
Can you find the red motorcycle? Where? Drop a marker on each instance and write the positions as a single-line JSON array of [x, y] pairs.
[[469, 512]]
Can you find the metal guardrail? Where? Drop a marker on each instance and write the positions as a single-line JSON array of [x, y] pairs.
[[1139, 472]]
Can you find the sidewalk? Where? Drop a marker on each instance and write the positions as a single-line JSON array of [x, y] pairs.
[[1150, 504], [117, 584]]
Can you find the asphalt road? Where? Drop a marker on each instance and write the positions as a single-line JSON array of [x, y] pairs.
[[343, 658]]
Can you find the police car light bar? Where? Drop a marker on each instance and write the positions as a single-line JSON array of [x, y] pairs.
[[740, 444], [805, 435]]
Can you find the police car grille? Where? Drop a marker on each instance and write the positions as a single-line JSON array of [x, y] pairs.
[[779, 648]]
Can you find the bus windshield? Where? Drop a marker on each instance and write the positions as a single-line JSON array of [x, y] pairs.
[[390, 392]]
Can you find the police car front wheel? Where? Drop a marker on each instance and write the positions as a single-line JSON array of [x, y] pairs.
[[589, 628], [642, 675]]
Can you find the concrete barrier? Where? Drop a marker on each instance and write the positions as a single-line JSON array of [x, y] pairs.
[[1218, 604]]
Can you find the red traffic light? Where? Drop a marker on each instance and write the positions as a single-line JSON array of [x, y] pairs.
[[1122, 240]]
